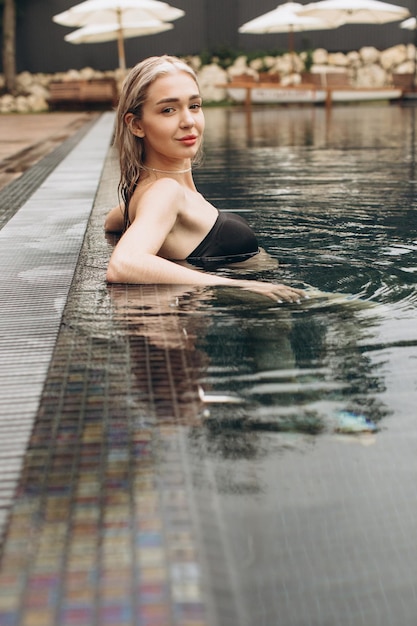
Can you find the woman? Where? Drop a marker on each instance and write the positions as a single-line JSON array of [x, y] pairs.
[[163, 218]]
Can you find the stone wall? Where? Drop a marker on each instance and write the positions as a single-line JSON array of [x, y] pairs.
[[367, 67]]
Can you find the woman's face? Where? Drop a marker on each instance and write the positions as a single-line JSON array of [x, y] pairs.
[[172, 122]]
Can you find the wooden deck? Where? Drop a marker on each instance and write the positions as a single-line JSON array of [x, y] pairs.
[[102, 91], [320, 88]]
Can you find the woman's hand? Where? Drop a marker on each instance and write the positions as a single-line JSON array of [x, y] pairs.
[[277, 293], [114, 221]]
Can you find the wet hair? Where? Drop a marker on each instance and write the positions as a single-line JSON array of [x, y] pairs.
[[132, 98]]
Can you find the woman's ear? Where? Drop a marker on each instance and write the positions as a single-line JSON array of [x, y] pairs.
[[134, 125]]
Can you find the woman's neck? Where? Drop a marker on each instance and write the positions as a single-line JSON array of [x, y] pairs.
[[183, 175], [167, 171]]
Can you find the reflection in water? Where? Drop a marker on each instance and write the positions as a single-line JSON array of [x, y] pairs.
[[161, 326], [298, 371], [233, 369]]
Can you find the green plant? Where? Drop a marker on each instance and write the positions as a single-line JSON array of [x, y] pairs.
[[258, 54], [225, 57], [205, 57], [308, 60]]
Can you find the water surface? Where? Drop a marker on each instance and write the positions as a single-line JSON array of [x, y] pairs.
[[206, 457], [310, 426]]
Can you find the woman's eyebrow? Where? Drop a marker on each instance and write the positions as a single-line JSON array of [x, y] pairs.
[[165, 100]]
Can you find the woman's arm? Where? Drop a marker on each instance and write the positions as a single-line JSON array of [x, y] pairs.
[[135, 260], [114, 221]]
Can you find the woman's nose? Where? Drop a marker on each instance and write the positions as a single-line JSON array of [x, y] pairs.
[[187, 118]]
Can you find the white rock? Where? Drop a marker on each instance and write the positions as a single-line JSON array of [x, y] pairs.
[[371, 76], [209, 77], [59, 76], [87, 73], [119, 74], [291, 79], [72, 75], [22, 104], [369, 55], [240, 62], [411, 52], [7, 104], [320, 56], [256, 64], [237, 70], [391, 57], [24, 80], [43, 79], [405, 68], [354, 59], [275, 66], [269, 61], [193, 61], [37, 103], [338, 59], [38, 90], [284, 65], [320, 69]]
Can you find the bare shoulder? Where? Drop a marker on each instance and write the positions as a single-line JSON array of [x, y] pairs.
[[168, 187], [161, 196], [159, 200]]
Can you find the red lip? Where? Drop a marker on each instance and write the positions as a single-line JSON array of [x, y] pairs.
[[189, 139]]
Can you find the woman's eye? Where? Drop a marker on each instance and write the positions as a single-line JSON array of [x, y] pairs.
[[168, 110], [195, 106]]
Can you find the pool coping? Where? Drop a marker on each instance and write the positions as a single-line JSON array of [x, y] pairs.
[[39, 250]]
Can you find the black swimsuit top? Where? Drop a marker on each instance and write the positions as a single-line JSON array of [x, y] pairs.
[[230, 240]]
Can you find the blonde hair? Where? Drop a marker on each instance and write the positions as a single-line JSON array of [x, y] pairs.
[[132, 98]]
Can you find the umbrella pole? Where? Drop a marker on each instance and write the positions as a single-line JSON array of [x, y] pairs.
[[291, 46], [120, 42], [121, 50]]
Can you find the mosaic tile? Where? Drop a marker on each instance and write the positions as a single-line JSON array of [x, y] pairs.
[[38, 617], [9, 601], [93, 534], [82, 616]]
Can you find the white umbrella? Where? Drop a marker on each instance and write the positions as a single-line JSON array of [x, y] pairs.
[[97, 33], [285, 19], [119, 17], [109, 32], [409, 24], [355, 11], [109, 11]]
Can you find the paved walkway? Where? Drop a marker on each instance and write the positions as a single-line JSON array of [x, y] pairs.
[[25, 139], [39, 248]]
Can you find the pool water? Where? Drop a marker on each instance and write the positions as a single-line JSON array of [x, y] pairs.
[[332, 197], [299, 421], [310, 420], [207, 457]]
